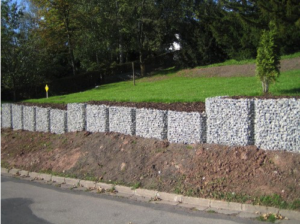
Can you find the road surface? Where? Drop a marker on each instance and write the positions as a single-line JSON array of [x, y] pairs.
[[25, 202]]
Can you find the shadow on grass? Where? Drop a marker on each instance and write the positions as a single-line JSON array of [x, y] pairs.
[[162, 72], [290, 91]]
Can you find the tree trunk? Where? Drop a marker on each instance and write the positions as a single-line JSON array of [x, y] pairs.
[[71, 54], [142, 64], [121, 48], [265, 86], [15, 95], [70, 45]]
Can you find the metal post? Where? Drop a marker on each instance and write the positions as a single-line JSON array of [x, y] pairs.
[[133, 73]]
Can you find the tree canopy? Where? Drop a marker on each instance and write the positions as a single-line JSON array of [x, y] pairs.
[[45, 40]]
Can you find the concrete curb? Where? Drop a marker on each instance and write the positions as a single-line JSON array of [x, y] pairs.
[[202, 202], [226, 205], [24, 173], [104, 186], [4, 170], [87, 184], [59, 180], [72, 181], [169, 197], [34, 175], [145, 193], [124, 190], [45, 177], [183, 201], [14, 171]]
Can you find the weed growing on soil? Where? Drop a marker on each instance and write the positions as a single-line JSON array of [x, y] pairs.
[[230, 196], [270, 218], [189, 147], [211, 211], [136, 185], [5, 164], [60, 174], [112, 190], [276, 200]]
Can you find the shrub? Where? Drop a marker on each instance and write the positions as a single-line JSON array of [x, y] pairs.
[[267, 60]]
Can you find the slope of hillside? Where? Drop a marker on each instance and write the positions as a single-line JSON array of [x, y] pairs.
[[243, 174], [190, 85]]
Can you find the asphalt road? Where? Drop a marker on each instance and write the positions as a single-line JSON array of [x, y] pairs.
[[29, 202]]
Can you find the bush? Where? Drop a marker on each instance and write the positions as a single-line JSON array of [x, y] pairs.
[[267, 60]]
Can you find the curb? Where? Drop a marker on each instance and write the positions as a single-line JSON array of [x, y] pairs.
[[87, 184], [14, 171], [183, 201], [4, 170], [24, 173]]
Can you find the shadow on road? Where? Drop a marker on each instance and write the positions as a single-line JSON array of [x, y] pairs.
[[16, 210]]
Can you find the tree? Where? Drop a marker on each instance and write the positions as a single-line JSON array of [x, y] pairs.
[[267, 60], [58, 24], [17, 52]]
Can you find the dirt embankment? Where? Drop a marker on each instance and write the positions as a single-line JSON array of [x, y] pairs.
[[238, 70], [202, 170]]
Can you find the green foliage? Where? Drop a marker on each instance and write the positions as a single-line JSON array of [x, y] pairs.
[[269, 218], [273, 200], [136, 185], [267, 60]]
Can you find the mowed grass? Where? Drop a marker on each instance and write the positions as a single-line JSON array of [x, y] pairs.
[[171, 87]]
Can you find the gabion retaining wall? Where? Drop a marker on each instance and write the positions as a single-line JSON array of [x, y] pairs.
[[97, 118], [29, 117], [6, 116], [151, 123], [277, 124], [76, 117], [17, 117], [122, 120], [58, 121], [186, 127], [230, 121], [269, 124], [42, 119]]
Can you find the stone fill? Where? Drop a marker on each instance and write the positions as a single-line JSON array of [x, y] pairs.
[[151, 123]]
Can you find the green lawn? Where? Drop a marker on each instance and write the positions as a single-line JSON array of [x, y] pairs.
[[171, 87]]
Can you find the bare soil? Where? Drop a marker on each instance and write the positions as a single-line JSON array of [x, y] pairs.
[[202, 170], [238, 70]]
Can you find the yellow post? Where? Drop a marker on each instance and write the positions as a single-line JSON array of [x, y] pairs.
[[46, 88]]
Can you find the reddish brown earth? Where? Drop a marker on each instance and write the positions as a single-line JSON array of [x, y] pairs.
[[202, 170]]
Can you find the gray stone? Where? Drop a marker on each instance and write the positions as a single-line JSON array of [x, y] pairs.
[[76, 117], [17, 117], [6, 115], [97, 118], [184, 127], [29, 117], [42, 119], [151, 123], [122, 120], [277, 124], [58, 121], [230, 121]]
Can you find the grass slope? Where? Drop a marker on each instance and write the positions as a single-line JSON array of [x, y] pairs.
[[172, 87]]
